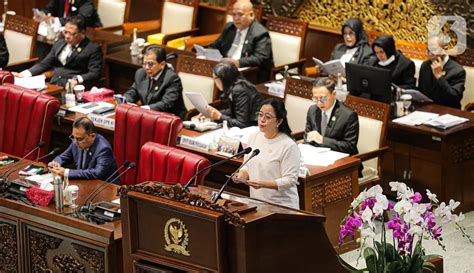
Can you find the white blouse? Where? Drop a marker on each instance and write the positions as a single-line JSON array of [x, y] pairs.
[[278, 160]]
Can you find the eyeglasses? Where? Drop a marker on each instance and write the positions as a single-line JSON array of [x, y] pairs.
[[351, 33], [238, 14], [149, 64], [322, 99], [76, 139], [265, 116], [65, 32]]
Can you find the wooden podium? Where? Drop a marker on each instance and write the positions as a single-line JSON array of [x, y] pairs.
[[165, 235]]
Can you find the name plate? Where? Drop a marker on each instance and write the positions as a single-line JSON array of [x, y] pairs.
[[192, 142], [106, 122]]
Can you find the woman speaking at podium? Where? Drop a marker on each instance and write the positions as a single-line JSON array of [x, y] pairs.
[[273, 174]]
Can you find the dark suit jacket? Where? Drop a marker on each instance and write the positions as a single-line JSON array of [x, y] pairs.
[[100, 161], [165, 96], [85, 60], [244, 101], [256, 51], [403, 71], [362, 55], [3, 52], [342, 131], [448, 90], [85, 8]]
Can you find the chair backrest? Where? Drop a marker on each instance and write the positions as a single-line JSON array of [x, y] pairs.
[[196, 76], [162, 163], [134, 126], [373, 120], [179, 15], [113, 12], [288, 39], [20, 36], [298, 94], [26, 119]]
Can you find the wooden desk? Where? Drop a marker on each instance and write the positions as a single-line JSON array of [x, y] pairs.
[[53, 90], [38, 239], [439, 160]]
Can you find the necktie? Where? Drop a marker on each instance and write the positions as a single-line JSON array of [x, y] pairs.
[[84, 159], [151, 83], [324, 122], [235, 44], [66, 8]]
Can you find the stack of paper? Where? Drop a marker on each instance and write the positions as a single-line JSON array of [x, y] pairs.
[[446, 121], [319, 156], [35, 83], [416, 118], [87, 108]]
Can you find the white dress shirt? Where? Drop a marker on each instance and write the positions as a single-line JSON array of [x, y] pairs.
[[238, 52]]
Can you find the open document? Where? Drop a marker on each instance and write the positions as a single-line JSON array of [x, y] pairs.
[[211, 54], [446, 121], [333, 67], [415, 94], [319, 156], [416, 118], [35, 83], [198, 100]]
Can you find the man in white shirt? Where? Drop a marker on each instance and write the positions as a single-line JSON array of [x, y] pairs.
[[245, 42], [74, 59], [330, 123]]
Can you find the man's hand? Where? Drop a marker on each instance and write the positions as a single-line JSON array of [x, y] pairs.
[[18, 75], [214, 113], [58, 171], [314, 136], [53, 164], [71, 84], [230, 60], [437, 68]]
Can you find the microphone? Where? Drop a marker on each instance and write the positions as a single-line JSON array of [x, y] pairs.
[[126, 163], [53, 152], [238, 155], [6, 173], [87, 208], [218, 195]]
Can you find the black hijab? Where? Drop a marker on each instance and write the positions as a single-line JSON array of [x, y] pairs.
[[356, 25], [387, 43]]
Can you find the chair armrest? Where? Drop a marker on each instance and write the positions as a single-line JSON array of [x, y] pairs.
[[20, 66], [298, 64], [311, 72], [372, 154], [142, 26], [469, 107], [203, 40], [111, 28], [298, 135], [176, 35]]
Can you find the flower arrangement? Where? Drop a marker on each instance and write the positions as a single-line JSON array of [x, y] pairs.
[[411, 223]]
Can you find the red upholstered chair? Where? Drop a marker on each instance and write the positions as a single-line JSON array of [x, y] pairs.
[[6, 77], [134, 127], [26, 118], [162, 163]]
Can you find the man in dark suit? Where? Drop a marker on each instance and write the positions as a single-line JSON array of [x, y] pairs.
[[441, 78], [89, 151], [75, 59], [330, 123], [4, 56], [61, 10], [245, 42], [157, 86]]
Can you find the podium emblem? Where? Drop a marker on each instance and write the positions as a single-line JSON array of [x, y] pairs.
[[176, 237]]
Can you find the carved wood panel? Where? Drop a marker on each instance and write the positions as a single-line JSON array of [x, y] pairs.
[[187, 64], [300, 88], [55, 253], [8, 247], [332, 191], [21, 24], [368, 108], [186, 2], [287, 26]]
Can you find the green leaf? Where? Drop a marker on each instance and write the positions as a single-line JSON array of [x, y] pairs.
[[371, 260], [395, 267]]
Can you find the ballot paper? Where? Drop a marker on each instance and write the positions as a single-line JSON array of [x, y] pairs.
[[35, 83]]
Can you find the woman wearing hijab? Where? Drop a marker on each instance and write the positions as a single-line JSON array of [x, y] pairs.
[[355, 48], [387, 57]]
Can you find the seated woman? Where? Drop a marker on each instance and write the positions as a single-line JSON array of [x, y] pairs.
[[387, 57], [273, 174], [242, 97], [355, 48]]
